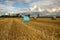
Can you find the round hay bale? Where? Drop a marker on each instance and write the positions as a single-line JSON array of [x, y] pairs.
[[54, 18], [26, 19], [34, 18]]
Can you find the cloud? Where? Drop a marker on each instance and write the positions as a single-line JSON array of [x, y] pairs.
[[46, 3], [41, 3], [12, 9], [9, 3], [28, 0], [20, 1], [8, 6], [24, 1], [4, 8]]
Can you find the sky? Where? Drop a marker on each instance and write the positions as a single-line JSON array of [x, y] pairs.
[[16, 5]]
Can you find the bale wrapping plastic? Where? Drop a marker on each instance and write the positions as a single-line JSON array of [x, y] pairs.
[[25, 19]]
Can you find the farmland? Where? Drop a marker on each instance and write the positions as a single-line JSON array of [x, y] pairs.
[[36, 29]]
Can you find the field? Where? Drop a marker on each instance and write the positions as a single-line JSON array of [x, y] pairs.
[[36, 29]]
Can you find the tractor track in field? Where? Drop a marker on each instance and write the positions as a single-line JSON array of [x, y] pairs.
[[31, 33], [19, 31], [36, 23], [49, 23], [46, 25], [49, 29], [4, 29], [3, 19], [15, 29], [42, 24]]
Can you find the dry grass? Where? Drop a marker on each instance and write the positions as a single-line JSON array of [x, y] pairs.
[[38, 29]]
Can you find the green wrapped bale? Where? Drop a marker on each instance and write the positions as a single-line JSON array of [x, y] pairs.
[[25, 19]]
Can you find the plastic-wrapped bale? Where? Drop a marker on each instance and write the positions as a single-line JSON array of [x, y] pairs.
[[25, 19]]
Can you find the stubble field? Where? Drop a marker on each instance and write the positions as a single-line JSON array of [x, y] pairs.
[[36, 29]]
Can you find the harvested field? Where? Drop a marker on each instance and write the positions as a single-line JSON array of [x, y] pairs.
[[36, 29]]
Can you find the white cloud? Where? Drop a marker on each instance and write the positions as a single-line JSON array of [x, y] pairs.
[[9, 3], [5, 8], [2, 7], [25, 1], [46, 3], [41, 3], [20, 1]]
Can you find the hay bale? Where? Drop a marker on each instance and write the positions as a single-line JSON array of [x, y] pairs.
[[54, 18], [34, 18], [26, 19]]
